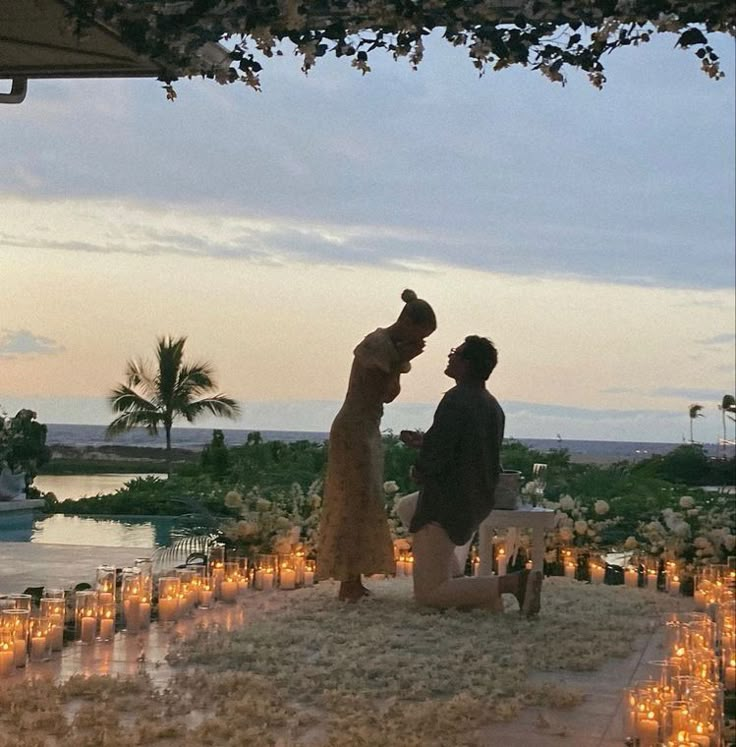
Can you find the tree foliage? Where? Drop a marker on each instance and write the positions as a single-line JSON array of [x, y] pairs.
[[154, 395], [23, 444], [550, 36]]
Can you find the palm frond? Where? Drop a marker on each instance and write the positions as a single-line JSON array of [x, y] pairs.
[[165, 558], [219, 404]]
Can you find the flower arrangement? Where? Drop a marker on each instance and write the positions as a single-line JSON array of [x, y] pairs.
[[577, 524], [280, 524], [691, 533]]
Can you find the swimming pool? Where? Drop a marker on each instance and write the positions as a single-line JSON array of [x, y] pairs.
[[106, 531]]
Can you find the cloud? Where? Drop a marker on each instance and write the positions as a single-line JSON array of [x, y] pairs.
[[727, 338], [21, 342], [689, 394], [506, 174]]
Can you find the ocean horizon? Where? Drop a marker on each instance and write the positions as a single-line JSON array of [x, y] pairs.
[[194, 439]]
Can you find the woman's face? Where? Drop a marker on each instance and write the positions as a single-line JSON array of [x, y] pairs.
[[416, 332]]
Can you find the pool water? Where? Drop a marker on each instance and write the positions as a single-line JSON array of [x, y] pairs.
[[119, 531]]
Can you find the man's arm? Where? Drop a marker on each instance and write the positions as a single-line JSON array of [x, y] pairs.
[[438, 450]]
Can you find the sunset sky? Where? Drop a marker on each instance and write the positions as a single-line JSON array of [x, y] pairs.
[[589, 233]]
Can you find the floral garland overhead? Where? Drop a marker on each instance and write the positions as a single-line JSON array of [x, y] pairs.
[[550, 36]]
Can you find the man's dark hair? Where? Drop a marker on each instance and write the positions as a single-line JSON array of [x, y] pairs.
[[481, 354]]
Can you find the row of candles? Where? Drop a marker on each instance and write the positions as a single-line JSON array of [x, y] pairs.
[[683, 706], [127, 596]]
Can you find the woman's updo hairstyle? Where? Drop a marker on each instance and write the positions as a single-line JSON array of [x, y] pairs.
[[417, 310]]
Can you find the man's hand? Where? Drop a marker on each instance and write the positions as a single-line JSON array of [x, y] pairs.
[[413, 439]]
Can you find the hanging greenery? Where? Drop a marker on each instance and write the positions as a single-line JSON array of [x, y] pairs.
[[551, 36]]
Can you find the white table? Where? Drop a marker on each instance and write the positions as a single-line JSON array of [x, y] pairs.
[[526, 517]]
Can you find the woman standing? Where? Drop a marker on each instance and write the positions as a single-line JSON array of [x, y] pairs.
[[354, 537]]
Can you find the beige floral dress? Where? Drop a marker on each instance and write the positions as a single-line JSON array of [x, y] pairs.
[[354, 537]]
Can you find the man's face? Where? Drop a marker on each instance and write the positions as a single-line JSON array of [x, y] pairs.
[[456, 365]]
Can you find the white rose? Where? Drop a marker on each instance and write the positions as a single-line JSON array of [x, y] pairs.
[[700, 542], [390, 487], [630, 543], [566, 534], [681, 529], [262, 504], [233, 499], [581, 526], [600, 507], [729, 542], [567, 503], [687, 501]]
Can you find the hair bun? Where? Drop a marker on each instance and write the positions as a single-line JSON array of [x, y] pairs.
[[408, 295]]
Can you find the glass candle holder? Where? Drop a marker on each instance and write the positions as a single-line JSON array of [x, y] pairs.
[[145, 565], [287, 573], [39, 640], [309, 571], [85, 616], [16, 622], [243, 574], [7, 652], [216, 565], [265, 574], [168, 598], [229, 583], [22, 601], [54, 608], [131, 594], [106, 621], [105, 583], [206, 593], [299, 559], [596, 570]]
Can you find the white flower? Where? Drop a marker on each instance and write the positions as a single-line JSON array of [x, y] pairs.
[[601, 507], [566, 534], [390, 487], [581, 526], [729, 542], [233, 499], [681, 529], [687, 501], [700, 542], [262, 504], [567, 502], [631, 543]]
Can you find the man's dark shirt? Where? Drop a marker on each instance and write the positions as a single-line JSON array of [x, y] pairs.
[[459, 462]]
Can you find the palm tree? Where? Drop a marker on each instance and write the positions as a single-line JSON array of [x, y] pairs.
[[728, 404], [155, 395], [694, 411]]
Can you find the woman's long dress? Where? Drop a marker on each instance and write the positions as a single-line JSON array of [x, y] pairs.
[[354, 537]]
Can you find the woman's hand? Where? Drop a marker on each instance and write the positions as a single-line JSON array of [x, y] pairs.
[[410, 349], [413, 439]]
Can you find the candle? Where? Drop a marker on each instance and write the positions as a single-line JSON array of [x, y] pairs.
[[597, 574], [409, 565], [229, 590], [89, 630], [38, 647], [631, 577], [56, 634], [167, 609], [729, 678], [131, 613], [308, 577], [501, 561], [242, 583], [105, 597], [107, 628], [7, 660], [648, 730], [569, 569], [144, 614], [288, 578], [675, 585], [476, 566], [700, 599], [19, 652], [205, 597]]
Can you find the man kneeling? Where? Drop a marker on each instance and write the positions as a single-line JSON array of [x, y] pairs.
[[458, 468]]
